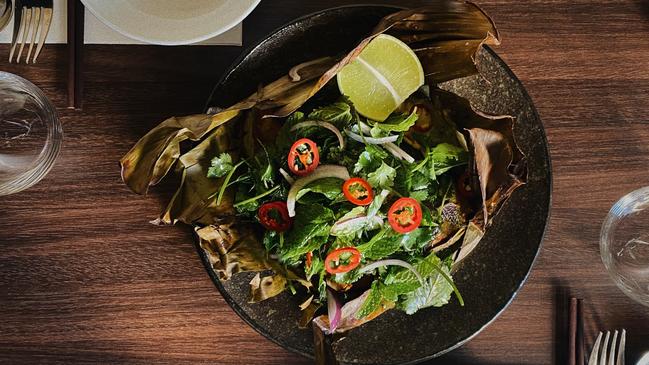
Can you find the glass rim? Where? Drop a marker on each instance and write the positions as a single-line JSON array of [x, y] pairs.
[[42, 164], [622, 207]]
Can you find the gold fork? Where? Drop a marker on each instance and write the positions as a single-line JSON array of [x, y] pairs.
[[33, 17]]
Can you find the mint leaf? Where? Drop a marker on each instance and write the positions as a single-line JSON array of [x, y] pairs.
[[383, 244], [417, 239], [383, 177], [420, 195], [354, 223], [330, 187], [220, 166], [435, 292], [310, 231], [339, 113], [444, 157], [372, 302], [398, 122], [355, 212]]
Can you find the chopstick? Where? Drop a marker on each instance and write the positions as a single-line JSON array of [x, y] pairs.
[[75, 53], [572, 332], [581, 355], [576, 333]]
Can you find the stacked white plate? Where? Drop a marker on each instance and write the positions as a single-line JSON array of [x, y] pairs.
[[171, 22]]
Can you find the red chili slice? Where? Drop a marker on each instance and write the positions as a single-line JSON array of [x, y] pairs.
[[358, 191], [405, 215], [309, 259], [342, 260], [274, 216], [303, 157]]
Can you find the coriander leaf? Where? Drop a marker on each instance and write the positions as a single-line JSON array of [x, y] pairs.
[[444, 157], [339, 113], [383, 177], [370, 159], [435, 292], [372, 302], [329, 187], [397, 122], [220, 166]]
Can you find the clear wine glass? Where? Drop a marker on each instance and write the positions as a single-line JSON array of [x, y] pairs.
[[624, 244], [30, 134]]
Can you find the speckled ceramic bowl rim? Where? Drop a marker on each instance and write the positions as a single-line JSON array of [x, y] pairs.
[[237, 309]]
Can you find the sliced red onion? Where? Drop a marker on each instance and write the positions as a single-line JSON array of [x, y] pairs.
[[365, 129], [334, 310], [286, 175], [395, 150], [371, 140], [320, 173], [391, 262], [399, 153], [318, 123]]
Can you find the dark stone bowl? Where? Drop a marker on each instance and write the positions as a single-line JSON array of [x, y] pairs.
[[493, 273]]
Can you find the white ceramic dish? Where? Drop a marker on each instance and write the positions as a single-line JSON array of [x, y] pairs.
[[171, 22]]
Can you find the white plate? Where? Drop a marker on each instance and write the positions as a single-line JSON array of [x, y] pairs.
[[171, 22]]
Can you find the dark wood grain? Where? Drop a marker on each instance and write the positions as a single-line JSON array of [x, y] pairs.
[[85, 279]]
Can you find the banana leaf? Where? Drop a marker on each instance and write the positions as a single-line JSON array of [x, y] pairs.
[[445, 35], [232, 248], [499, 162], [193, 201], [266, 287], [155, 154]]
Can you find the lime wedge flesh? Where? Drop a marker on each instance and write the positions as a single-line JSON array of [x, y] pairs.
[[382, 77]]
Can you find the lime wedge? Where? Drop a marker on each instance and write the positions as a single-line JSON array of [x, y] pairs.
[[381, 77]]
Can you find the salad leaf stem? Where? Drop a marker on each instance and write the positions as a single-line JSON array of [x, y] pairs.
[[265, 193], [450, 281], [224, 185]]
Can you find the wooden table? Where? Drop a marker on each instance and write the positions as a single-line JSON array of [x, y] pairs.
[[84, 278]]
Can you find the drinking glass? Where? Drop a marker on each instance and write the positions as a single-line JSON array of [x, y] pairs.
[[624, 244], [30, 134]]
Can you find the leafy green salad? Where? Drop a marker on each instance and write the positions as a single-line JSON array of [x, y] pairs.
[[351, 204]]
